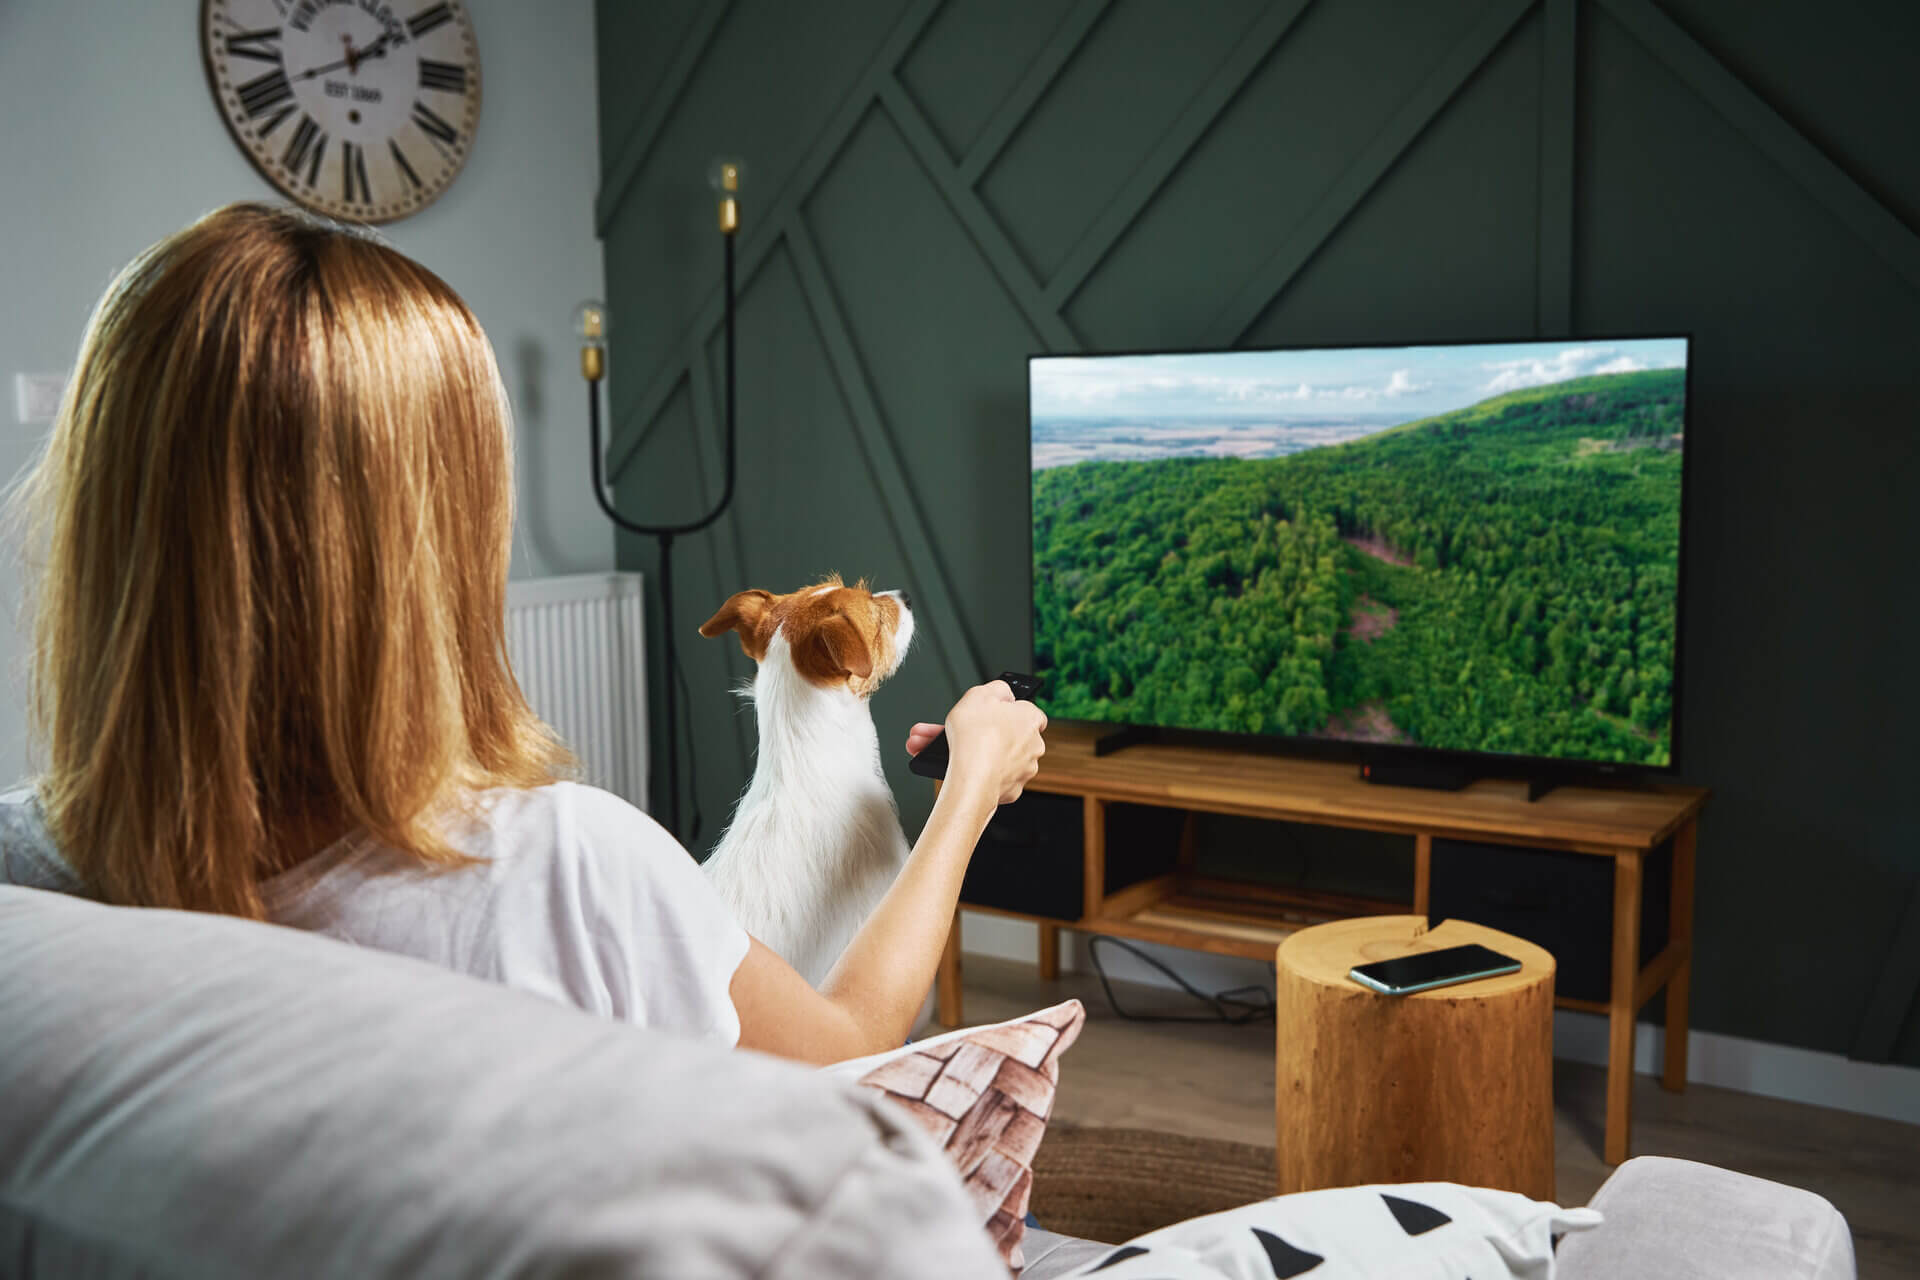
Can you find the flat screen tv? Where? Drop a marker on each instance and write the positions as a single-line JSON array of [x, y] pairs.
[[1462, 549]]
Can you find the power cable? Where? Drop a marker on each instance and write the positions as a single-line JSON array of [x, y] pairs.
[[1234, 1006]]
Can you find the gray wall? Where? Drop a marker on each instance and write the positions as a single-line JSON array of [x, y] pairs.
[[112, 140], [940, 189]]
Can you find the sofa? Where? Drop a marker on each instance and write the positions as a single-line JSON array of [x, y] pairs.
[[186, 1095]]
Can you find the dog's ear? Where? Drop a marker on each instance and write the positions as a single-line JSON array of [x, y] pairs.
[[840, 647], [740, 613]]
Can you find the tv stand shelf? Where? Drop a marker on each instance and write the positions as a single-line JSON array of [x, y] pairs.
[[1225, 917]]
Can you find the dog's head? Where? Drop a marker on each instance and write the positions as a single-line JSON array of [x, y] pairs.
[[838, 636]]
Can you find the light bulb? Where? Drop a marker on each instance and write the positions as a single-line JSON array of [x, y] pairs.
[[726, 176], [590, 326], [590, 322]]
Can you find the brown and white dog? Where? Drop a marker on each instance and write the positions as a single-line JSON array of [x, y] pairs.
[[815, 839]]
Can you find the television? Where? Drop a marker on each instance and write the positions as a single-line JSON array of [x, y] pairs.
[[1460, 553]]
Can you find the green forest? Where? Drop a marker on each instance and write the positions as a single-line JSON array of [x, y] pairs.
[[1499, 578]]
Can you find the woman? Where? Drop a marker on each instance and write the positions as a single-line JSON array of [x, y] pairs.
[[271, 676]]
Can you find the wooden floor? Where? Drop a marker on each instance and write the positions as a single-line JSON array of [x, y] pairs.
[[1216, 1081]]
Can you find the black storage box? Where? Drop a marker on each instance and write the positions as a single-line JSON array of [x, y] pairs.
[[1032, 857], [1561, 901]]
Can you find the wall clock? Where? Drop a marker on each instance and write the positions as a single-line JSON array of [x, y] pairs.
[[361, 110]]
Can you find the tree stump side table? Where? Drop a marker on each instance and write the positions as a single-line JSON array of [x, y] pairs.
[[1449, 1085]]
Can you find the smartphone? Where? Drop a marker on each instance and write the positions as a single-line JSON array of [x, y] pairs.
[[1425, 970]]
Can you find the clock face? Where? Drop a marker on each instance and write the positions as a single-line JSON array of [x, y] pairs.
[[355, 108]]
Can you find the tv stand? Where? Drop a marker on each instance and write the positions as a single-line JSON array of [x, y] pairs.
[[1183, 908], [1120, 739]]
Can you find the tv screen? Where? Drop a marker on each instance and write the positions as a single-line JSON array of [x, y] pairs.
[[1461, 547]]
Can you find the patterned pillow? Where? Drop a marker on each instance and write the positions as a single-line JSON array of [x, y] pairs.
[[986, 1093], [1420, 1229]]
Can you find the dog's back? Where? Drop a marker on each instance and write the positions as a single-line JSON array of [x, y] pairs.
[[815, 840]]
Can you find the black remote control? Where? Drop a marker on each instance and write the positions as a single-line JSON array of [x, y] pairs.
[[932, 760]]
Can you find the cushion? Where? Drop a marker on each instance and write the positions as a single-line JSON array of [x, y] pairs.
[[985, 1094], [1434, 1229], [1670, 1217], [1051, 1255], [186, 1095]]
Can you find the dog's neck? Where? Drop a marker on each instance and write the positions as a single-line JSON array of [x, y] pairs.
[[809, 735]]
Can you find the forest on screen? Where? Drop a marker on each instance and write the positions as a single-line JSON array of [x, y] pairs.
[[1499, 578]]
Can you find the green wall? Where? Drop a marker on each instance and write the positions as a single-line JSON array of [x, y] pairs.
[[937, 190]]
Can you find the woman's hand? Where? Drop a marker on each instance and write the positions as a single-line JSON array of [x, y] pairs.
[[869, 1001], [993, 741]]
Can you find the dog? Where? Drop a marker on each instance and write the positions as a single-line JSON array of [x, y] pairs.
[[815, 839]]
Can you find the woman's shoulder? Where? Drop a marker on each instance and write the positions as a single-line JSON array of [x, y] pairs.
[[28, 855], [572, 831], [19, 806], [568, 891], [586, 886], [568, 814], [511, 839]]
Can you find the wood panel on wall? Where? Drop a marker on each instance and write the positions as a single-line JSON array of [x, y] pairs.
[[938, 190]]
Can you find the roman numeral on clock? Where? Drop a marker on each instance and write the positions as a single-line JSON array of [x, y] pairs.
[[262, 45], [257, 97], [306, 147], [427, 19], [449, 77], [353, 168], [433, 124], [399, 158]]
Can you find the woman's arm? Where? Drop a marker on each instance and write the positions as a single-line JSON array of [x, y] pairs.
[[868, 1003]]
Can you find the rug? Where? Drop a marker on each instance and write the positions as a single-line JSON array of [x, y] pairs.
[[1113, 1184]]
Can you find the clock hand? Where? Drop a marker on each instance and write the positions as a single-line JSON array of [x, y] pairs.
[[320, 71], [375, 50], [378, 49]]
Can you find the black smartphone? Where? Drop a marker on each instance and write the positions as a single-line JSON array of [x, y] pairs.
[[1425, 970]]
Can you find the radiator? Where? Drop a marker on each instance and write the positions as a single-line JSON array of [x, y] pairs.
[[579, 650]]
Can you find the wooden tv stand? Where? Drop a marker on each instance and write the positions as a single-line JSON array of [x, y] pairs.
[[1185, 909]]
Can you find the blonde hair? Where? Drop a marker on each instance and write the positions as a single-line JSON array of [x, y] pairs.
[[275, 513]]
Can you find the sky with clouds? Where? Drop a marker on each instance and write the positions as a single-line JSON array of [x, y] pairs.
[[1404, 382]]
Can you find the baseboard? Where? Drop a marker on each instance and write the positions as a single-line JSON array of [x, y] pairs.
[[1755, 1066], [1727, 1062]]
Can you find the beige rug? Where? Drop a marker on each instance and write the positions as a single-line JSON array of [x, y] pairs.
[[1114, 1184]]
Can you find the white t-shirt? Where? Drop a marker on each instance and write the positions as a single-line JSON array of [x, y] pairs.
[[578, 896]]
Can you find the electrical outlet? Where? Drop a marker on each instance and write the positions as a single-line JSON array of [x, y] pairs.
[[36, 397]]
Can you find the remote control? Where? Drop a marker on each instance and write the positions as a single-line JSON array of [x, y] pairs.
[[932, 760]]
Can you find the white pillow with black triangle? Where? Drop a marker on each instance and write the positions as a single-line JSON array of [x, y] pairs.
[[1421, 1229]]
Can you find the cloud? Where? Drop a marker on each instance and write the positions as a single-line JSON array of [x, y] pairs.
[[1085, 387], [1248, 390], [1402, 384], [1570, 362], [1094, 384], [1090, 387], [1625, 364], [1399, 383]]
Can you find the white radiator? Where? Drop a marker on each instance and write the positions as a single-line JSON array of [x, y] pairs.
[[579, 650]]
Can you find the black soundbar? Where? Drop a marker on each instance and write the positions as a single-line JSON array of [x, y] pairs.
[[1433, 777]]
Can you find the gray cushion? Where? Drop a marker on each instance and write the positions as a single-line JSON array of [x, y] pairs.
[[1685, 1221], [184, 1095], [1051, 1255]]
